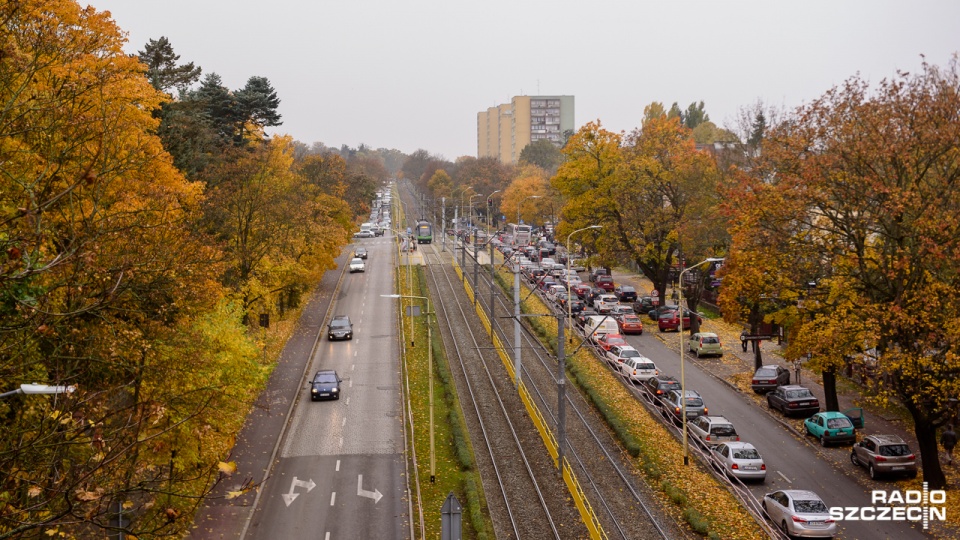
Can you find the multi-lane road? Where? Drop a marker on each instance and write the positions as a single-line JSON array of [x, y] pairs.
[[340, 470]]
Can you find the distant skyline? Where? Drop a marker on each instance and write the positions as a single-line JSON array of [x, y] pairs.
[[414, 74]]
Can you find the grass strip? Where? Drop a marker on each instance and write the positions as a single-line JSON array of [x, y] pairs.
[[455, 464]]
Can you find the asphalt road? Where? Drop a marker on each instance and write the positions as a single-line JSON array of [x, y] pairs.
[[791, 463], [340, 470]]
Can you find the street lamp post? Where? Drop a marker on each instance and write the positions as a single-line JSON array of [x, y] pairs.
[[433, 462], [40, 389], [489, 213], [470, 218], [516, 298], [569, 308], [462, 193], [683, 383]]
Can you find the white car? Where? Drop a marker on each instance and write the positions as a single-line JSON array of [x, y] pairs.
[[605, 302], [741, 460], [618, 354], [553, 290], [357, 265], [365, 233], [639, 369], [799, 513]]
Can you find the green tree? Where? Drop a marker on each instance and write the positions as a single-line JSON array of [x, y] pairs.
[[543, 154], [695, 115], [258, 104], [163, 72]]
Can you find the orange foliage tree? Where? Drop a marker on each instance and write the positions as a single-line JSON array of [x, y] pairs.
[[857, 192]]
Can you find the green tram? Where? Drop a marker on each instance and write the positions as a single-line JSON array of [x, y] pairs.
[[424, 232]]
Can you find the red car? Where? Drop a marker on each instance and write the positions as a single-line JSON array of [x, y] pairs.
[[630, 324], [605, 283], [580, 289], [609, 340], [671, 321]]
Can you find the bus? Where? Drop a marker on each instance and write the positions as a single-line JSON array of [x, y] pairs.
[[424, 232], [519, 234]]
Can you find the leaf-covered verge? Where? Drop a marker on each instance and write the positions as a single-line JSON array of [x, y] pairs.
[[690, 493]]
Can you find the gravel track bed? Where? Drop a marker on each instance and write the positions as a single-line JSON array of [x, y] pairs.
[[615, 489], [459, 322]]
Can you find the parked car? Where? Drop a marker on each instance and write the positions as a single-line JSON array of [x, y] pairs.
[[625, 293], [670, 320], [713, 430], [741, 460], [620, 310], [617, 354], [659, 385], [605, 302], [830, 427], [605, 283], [638, 369], [884, 455], [672, 405], [325, 385], [799, 513], [655, 313], [356, 265], [606, 341], [596, 273], [705, 343], [360, 252], [340, 327], [766, 378], [630, 324], [793, 400], [643, 305]]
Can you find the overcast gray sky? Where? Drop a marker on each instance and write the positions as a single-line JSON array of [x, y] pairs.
[[411, 74]]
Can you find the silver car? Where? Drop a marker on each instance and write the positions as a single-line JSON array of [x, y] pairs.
[[672, 405], [799, 513], [740, 460]]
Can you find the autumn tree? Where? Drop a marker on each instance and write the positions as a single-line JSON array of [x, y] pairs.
[[105, 286], [530, 181], [278, 234], [653, 193], [862, 185]]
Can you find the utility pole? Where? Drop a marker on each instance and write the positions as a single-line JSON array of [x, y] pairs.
[[516, 323], [476, 266], [493, 290], [561, 393], [443, 225]]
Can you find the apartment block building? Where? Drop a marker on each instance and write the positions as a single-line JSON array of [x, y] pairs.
[[505, 130]]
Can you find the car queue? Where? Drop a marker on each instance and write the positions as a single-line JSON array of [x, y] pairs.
[[796, 512]]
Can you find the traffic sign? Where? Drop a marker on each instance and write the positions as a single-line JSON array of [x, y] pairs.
[[655, 293]]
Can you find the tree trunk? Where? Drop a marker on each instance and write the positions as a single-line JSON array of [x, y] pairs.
[[929, 451], [830, 390]]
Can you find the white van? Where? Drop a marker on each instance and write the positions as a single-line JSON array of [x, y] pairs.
[[598, 325]]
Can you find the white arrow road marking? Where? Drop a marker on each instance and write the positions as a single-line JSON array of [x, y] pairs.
[[288, 498], [375, 494]]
